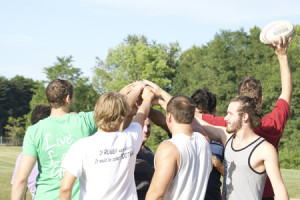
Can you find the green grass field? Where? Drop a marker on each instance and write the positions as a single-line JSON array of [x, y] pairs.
[[8, 156]]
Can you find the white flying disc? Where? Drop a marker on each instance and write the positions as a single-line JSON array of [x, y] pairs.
[[272, 31]]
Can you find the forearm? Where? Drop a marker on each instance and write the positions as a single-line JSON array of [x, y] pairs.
[[18, 189], [286, 78], [145, 108], [213, 132], [159, 119], [126, 122], [151, 195], [218, 165], [281, 192]]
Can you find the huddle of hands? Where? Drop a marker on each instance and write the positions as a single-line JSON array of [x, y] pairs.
[[145, 90]]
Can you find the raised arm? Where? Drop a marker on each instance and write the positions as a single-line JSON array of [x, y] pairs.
[[159, 119], [20, 181], [165, 97], [133, 91], [216, 133], [280, 49], [144, 108]]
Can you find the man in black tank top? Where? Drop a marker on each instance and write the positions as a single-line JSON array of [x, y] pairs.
[[248, 157]]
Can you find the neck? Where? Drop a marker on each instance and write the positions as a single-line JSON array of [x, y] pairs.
[[58, 112], [245, 134], [182, 128], [143, 146], [103, 131]]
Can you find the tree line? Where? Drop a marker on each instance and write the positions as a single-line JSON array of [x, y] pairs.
[[218, 65]]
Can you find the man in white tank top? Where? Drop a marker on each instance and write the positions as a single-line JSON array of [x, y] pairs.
[[182, 163], [248, 157]]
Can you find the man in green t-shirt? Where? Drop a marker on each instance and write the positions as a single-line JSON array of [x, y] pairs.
[[49, 140]]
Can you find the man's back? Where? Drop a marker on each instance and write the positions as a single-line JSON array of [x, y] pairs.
[[105, 163], [195, 166], [49, 140]]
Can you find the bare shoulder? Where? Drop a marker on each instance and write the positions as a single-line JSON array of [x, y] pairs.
[[166, 150], [266, 150]]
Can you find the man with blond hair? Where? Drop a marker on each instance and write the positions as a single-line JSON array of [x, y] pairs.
[[104, 163]]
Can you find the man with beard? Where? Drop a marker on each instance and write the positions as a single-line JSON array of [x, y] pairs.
[[274, 122], [248, 157]]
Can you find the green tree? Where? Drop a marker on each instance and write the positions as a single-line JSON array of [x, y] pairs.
[[231, 55], [15, 129], [84, 93], [15, 95], [135, 59], [63, 69]]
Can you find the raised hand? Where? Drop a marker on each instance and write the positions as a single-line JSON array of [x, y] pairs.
[[147, 93], [281, 46], [154, 87], [125, 90]]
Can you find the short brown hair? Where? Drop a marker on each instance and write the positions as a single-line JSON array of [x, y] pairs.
[[182, 108], [110, 111], [249, 106], [250, 87], [39, 112], [57, 91]]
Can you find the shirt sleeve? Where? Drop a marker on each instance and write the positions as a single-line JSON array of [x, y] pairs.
[[137, 132], [216, 121], [29, 146], [90, 121], [273, 124], [73, 161]]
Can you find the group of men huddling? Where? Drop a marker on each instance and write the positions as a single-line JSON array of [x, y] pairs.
[[92, 155]]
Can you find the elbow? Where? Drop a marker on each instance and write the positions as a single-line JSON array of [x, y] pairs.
[[65, 193], [154, 196]]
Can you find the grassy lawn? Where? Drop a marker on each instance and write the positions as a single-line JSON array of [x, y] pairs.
[[8, 156]]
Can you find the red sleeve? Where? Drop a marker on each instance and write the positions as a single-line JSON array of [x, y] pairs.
[[273, 124], [216, 121]]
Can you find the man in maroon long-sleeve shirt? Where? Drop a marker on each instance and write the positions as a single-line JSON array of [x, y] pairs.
[[272, 124]]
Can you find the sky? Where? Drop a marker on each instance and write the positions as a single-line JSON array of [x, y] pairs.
[[34, 32]]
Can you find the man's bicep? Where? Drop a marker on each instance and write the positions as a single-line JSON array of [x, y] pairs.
[[25, 166], [165, 168], [272, 166]]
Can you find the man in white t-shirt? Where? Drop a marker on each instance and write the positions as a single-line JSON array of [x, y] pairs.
[[182, 163], [104, 162]]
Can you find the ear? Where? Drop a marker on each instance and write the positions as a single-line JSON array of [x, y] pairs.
[[245, 117], [67, 99], [169, 117], [260, 100]]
